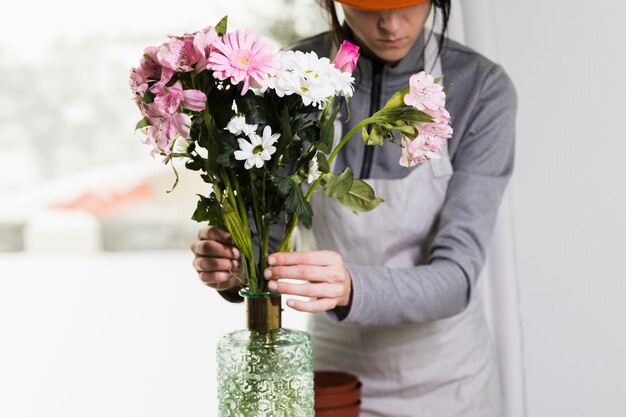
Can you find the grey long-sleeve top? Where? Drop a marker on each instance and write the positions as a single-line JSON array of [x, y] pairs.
[[482, 102]]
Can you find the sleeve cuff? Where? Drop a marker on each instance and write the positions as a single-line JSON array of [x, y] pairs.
[[231, 295], [351, 312]]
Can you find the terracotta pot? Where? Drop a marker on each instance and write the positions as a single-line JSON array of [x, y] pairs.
[[337, 399], [337, 394], [347, 411], [328, 382]]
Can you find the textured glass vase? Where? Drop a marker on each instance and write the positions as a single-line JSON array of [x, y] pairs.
[[265, 370]]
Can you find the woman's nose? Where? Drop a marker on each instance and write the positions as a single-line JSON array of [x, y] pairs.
[[389, 21]]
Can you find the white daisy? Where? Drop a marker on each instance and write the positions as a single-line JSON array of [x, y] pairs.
[[258, 150], [314, 170], [306, 75], [342, 82], [181, 146], [238, 125]]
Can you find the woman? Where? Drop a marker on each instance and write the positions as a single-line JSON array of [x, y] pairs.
[[394, 289]]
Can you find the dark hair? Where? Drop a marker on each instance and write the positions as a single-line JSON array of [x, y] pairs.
[[339, 32]]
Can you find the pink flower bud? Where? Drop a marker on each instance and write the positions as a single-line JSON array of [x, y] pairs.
[[347, 57]]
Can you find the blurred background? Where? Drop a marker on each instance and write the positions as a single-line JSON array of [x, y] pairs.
[[101, 312]]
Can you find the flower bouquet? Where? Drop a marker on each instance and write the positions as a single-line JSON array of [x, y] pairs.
[[258, 125]]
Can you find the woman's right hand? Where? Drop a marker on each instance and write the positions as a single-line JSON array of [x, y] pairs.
[[216, 259]]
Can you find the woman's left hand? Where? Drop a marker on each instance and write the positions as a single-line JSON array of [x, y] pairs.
[[325, 275]]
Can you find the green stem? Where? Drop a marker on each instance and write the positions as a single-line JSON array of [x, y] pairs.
[[286, 242], [263, 206], [240, 204], [348, 135], [260, 228], [237, 204], [264, 241], [329, 104], [218, 192]]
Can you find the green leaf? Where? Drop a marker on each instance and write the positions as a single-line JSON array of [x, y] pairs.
[[177, 177], [310, 133], [142, 123], [322, 162], [406, 130], [202, 213], [226, 160], [222, 26], [284, 185], [296, 202], [361, 197], [338, 186], [148, 97], [253, 107], [414, 115], [301, 171], [286, 135], [365, 135], [221, 106], [195, 163], [347, 99], [397, 100], [406, 114], [375, 137], [327, 128], [208, 120], [209, 210], [228, 145]]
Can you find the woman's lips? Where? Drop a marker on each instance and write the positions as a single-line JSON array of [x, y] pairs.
[[391, 42]]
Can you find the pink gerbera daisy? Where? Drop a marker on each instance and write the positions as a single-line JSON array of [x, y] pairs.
[[241, 57]]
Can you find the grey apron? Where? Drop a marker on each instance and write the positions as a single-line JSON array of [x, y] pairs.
[[443, 368]]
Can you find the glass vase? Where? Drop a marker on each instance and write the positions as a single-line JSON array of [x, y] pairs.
[[265, 370]]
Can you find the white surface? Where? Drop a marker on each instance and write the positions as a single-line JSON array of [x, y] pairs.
[[62, 231], [122, 335], [567, 61]]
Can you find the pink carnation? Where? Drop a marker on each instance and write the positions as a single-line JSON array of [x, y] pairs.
[[424, 92], [241, 57]]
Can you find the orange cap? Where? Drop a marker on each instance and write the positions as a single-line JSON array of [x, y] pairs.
[[380, 4]]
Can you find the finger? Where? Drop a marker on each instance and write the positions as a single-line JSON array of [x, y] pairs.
[[215, 249], [214, 233], [318, 257], [208, 264], [218, 279], [307, 290], [302, 272], [312, 306]]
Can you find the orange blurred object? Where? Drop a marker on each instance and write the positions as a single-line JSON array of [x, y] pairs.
[[381, 5], [101, 204]]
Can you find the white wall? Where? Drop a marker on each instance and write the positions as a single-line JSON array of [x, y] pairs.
[[127, 334], [568, 61]]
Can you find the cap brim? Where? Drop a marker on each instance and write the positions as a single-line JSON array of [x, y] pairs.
[[381, 4]]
